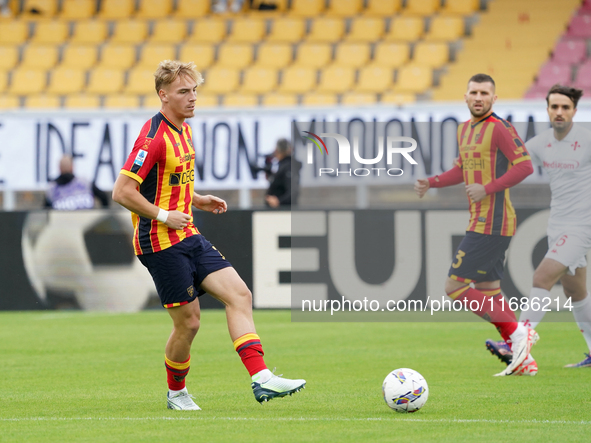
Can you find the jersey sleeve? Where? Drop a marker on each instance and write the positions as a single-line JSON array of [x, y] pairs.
[[144, 155], [506, 139]]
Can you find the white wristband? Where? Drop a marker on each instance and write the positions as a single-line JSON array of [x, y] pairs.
[[162, 216]]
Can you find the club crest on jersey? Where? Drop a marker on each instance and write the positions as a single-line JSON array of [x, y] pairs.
[[140, 157]]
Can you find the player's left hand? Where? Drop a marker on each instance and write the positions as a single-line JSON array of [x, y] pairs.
[[476, 192], [211, 203]]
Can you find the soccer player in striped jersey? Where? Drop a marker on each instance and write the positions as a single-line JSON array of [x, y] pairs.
[[564, 152], [157, 185], [492, 159]]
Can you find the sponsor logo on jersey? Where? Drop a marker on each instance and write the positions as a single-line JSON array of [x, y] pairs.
[[140, 157], [562, 164]]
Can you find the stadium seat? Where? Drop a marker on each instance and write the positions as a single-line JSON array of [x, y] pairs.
[[39, 56], [445, 28], [220, 80], [39, 9], [247, 30], [191, 9], [580, 26], [152, 101], [307, 8], [50, 32], [116, 9], [82, 101], [392, 55], [358, 98], [154, 9], [583, 79], [413, 79], [395, 98], [434, 55], [353, 55], [201, 55], [552, 73], [375, 78], [63, 80], [297, 80], [14, 32], [121, 101], [382, 8], [460, 7], [120, 56], [336, 79], [313, 55], [240, 100], [89, 32], [366, 29], [3, 81], [326, 29], [319, 99], [421, 7], [286, 30], [77, 9], [570, 51], [79, 56], [169, 31], [140, 81], [9, 102], [274, 55], [206, 100], [259, 80], [235, 55], [42, 101], [407, 29], [153, 54], [27, 81], [130, 31], [536, 92], [8, 57], [105, 81], [208, 31], [344, 8], [280, 99]]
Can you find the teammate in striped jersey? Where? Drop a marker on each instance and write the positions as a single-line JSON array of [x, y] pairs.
[[492, 159], [157, 185]]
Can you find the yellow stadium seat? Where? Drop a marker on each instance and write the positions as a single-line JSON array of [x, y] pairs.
[[374, 78], [119, 56], [82, 101], [395, 98], [413, 78], [353, 55], [3, 81], [47, 32], [274, 55], [319, 99], [336, 79], [307, 8], [77, 9], [345, 8], [27, 81], [89, 31], [191, 9], [326, 29], [105, 81], [206, 100], [201, 55], [445, 28], [8, 57], [208, 31], [280, 99], [9, 102], [366, 29], [42, 101], [169, 31], [407, 29], [39, 56], [151, 101], [152, 55], [359, 98], [313, 55], [64, 80], [79, 56], [287, 30], [154, 9], [220, 80], [119, 101], [392, 55], [116, 9], [434, 55], [383, 8], [235, 55], [130, 31], [421, 7], [464, 7], [39, 9], [140, 81], [247, 30], [14, 32], [297, 80], [259, 80], [240, 100]]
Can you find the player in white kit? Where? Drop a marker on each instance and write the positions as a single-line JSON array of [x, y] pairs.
[[564, 152]]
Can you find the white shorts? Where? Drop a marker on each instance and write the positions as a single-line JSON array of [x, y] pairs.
[[569, 246]]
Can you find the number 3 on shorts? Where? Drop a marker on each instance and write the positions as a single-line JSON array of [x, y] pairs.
[[459, 256]]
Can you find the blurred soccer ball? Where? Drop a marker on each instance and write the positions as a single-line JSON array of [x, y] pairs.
[[405, 390]]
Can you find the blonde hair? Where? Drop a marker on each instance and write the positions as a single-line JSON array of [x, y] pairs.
[[169, 70]]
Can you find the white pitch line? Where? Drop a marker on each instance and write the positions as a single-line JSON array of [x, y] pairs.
[[300, 419]]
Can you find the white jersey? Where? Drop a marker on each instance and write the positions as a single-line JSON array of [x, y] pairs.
[[568, 165]]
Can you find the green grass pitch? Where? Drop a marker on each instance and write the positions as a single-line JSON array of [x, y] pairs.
[[83, 377]]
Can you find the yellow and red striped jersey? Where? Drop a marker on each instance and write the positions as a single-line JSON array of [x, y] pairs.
[[488, 149], [162, 162]]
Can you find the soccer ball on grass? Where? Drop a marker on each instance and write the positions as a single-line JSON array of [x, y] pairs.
[[405, 390]]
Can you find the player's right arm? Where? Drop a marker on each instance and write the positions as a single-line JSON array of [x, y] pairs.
[[449, 178]]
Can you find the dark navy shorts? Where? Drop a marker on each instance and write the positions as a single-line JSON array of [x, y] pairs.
[[480, 257], [178, 271]]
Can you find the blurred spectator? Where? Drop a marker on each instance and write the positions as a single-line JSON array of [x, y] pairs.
[[5, 8], [70, 193], [221, 6], [284, 188]]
